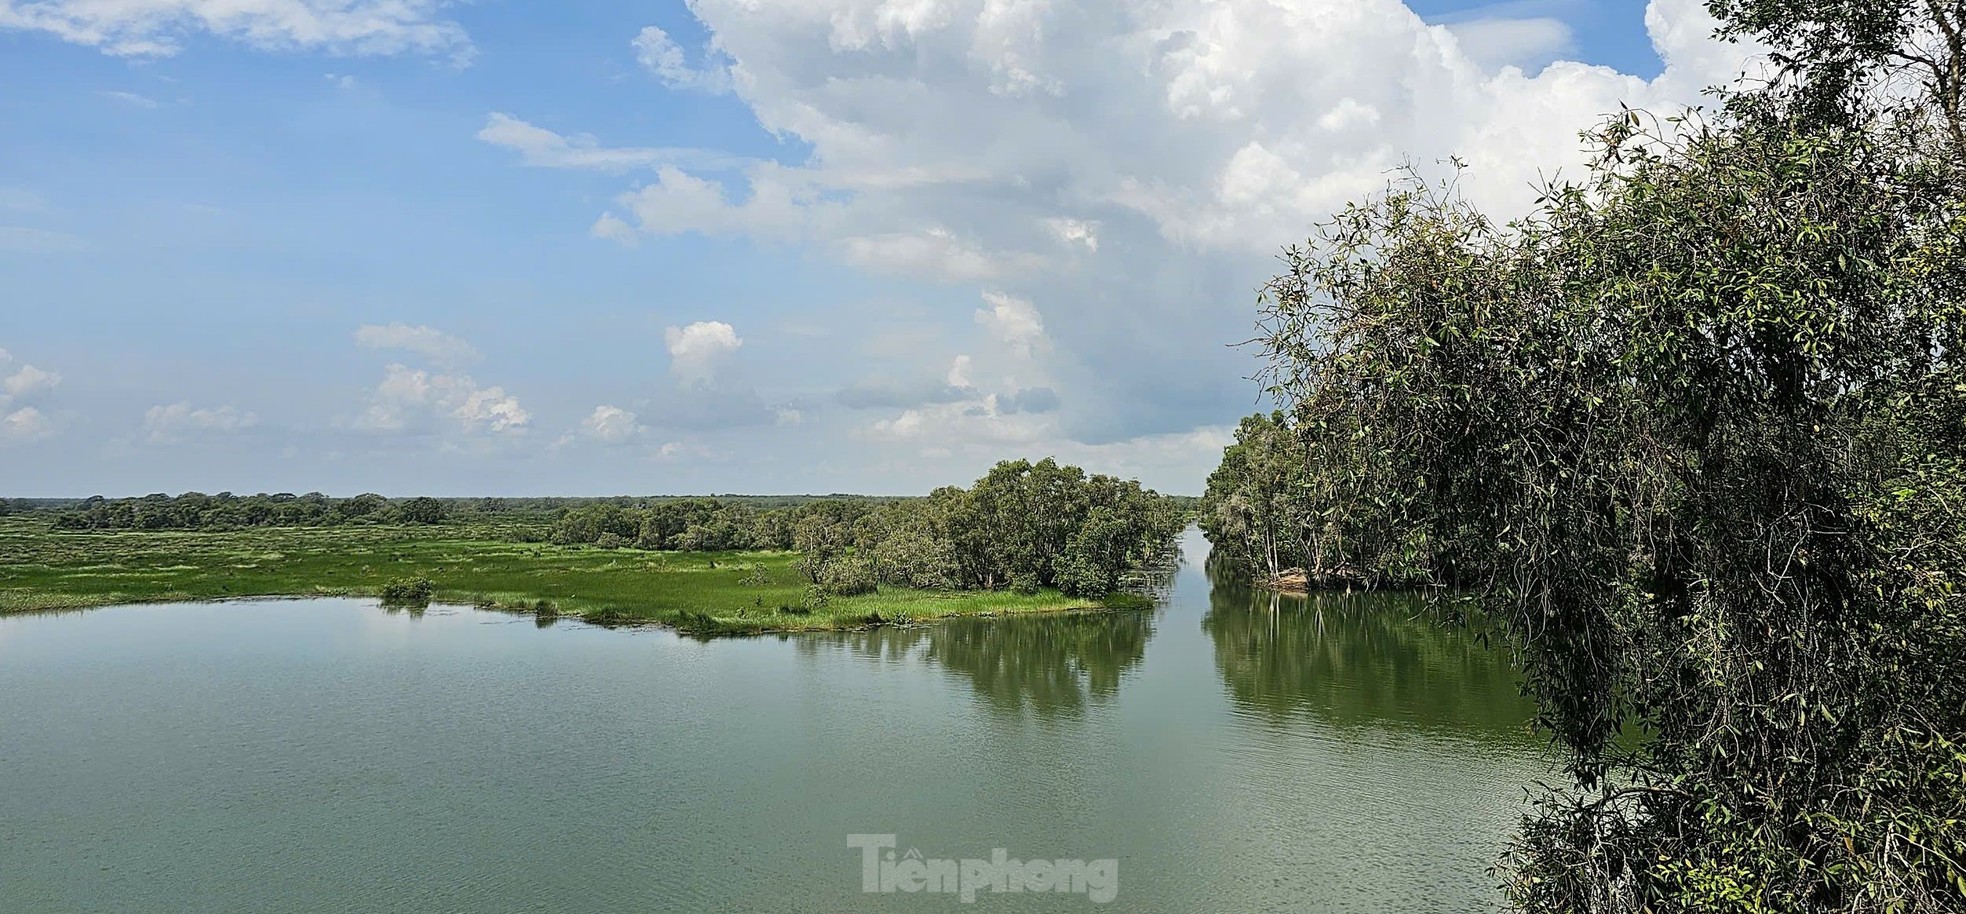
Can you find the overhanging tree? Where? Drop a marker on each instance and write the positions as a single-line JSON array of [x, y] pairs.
[[1696, 431]]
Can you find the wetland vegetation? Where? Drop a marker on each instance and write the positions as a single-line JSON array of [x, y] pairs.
[[1027, 538]]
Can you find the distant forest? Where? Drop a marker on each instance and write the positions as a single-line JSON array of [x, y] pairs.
[[226, 511], [1024, 526]]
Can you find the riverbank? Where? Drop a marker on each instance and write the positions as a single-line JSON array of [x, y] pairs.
[[483, 564]]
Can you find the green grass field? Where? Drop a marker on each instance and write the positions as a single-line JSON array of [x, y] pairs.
[[482, 564]]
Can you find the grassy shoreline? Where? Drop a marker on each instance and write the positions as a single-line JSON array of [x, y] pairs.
[[485, 565]]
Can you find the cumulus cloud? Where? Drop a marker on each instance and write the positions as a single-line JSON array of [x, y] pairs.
[[174, 421], [1074, 232], [1003, 145], [157, 28], [660, 55], [699, 350], [423, 340], [946, 101], [24, 425], [1524, 43], [974, 423], [25, 381], [22, 422], [611, 425], [1013, 322], [416, 400], [679, 203]]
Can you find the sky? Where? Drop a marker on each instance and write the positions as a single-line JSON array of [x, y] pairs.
[[762, 246]]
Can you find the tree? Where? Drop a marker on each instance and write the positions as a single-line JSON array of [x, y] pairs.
[[361, 505], [1694, 432], [1835, 52], [423, 510]]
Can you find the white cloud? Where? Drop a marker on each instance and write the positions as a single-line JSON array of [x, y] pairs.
[[1525, 43], [20, 423], [679, 202], [423, 340], [27, 380], [969, 423], [660, 54], [958, 376], [675, 451], [698, 350], [957, 102], [1181, 142], [611, 425], [25, 425], [543, 148], [173, 421], [155, 28], [129, 98], [1075, 232], [935, 253], [416, 400], [1013, 322]]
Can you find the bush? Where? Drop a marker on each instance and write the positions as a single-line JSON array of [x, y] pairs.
[[610, 541], [1026, 583], [407, 592], [846, 576]]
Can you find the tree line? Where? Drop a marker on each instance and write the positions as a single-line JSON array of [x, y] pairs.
[[1694, 432], [1023, 526], [226, 511]]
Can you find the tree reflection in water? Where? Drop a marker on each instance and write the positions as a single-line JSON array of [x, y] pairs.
[[1360, 659], [1049, 665]]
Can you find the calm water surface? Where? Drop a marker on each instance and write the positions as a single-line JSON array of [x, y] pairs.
[[1234, 752]]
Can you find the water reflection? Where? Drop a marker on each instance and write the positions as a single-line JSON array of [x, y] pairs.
[[1049, 665], [1360, 659]]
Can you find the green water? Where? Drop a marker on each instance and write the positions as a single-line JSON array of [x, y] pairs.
[[1229, 751]]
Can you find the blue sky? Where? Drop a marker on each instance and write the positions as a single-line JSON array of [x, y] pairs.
[[817, 245]]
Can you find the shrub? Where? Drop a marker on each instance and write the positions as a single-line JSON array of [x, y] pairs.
[[846, 576], [407, 592], [1026, 583], [610, 541]]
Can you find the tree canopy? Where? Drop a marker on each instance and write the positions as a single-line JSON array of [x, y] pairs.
[[1694, 430]]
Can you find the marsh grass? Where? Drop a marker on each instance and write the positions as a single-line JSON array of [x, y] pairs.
[[483, 564]]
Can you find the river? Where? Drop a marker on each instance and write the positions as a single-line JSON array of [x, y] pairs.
[[1229, 751]]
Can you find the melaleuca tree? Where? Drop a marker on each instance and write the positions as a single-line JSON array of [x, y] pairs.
[[1696, 432]]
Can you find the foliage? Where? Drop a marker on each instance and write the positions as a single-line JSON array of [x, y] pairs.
[[407, 592], [423, 510], [1696, 432], [500, 565], [198, 511], [847, 576], [1042, 525], [1839, 57], [1274, 504]]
